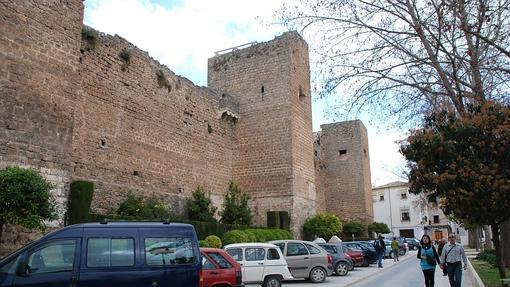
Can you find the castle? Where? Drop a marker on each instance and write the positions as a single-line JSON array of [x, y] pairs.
[[100, 109]]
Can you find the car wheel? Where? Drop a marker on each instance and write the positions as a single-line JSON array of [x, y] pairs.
[[318, 275], [391, 254], [272, 282], [401, 252], [341, 269]]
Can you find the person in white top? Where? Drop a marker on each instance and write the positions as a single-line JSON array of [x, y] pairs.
[[452, 257]]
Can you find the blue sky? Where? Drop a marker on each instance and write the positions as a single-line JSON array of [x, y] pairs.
[[183, 34]]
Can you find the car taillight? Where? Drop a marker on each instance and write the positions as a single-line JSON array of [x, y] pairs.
[[200, 278], [239, 277], [330, 259]]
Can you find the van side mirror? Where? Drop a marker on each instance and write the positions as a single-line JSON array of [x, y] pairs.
[[23, 270]]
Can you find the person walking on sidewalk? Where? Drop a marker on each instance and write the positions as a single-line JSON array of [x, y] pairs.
[[442, 243], [394, 249], [428, 260], [452, 257], [379, 247]]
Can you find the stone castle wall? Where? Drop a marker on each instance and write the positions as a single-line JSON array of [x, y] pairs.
[[72, 112], [274, 131], [134, 134], [342, 169], [39, 82]]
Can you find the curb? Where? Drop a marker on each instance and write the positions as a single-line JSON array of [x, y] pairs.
[[474, 276], [375, 273]]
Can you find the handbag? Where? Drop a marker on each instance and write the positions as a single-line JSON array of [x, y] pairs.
[[431, 260]]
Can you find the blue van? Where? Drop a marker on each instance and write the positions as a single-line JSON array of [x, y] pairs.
[[126, 254]]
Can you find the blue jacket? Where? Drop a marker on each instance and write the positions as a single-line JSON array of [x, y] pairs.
[[429, 251]]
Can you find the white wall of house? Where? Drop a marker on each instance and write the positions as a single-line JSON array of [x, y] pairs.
[[407, 213], [400, 210]]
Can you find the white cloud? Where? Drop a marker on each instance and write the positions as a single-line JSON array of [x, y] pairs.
[[184, 36]]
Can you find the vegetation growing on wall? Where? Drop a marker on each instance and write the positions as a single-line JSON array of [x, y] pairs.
[[89, 36], [80, 198], [125, 56], [163, 81]]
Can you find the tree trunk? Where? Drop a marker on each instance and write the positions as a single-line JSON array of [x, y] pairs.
[[505, 243], [488, 237], [1, 231], [497, 245]]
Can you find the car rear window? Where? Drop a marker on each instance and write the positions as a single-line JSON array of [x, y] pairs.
[[255, 254], [236, 253], [272, 254], [312, 249], [168, 250], [220, 260], [330, 248], [296, 249], [110, 252]]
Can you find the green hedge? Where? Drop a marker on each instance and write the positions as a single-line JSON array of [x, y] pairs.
[[255, 235], [213, 241], [488, 255], [80, 198]]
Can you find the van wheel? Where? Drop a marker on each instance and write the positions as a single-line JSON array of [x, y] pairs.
[[272, 282], [341, 269], [318, 275]]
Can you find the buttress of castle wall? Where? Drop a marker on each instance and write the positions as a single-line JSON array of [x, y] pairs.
[[266, 78], [39, 80], [141, 128], [343, 170]]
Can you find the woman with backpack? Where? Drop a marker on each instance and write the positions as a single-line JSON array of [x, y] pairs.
[[428, 260]]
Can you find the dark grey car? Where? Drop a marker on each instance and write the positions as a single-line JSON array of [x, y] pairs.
[[342, 264]]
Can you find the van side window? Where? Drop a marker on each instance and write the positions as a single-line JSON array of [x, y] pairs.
[[220, 260], [296, 249], [9, 266], [55, 257], [255, 254], [110, 252], [272, 254], [281, 245], [236, 253], [169, 251]]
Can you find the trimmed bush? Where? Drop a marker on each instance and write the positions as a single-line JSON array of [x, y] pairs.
[[204, 243], [213, 241], [323, 225], [80, 198], [234, 236], [140, 207]]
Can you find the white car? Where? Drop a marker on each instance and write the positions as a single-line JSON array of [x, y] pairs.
[[261, 263]]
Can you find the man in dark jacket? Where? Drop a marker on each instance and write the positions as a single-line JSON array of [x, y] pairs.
[[442, 243], [379, 247]]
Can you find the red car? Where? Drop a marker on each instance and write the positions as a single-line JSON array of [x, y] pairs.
[[219, 269], [357, 256]]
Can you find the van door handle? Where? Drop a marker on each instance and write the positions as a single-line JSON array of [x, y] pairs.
[[306, 258], [73, 281], [261, 263]]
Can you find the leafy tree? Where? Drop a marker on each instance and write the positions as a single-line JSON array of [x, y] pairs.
[[465, 162], [323, 225], [378, 228], [200, 207], [235, 207], [25, 198], [138, 206], [406, 58], [353, 227]]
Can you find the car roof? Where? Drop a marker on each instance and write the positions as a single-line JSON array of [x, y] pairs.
[[291, 240], [251, 244]]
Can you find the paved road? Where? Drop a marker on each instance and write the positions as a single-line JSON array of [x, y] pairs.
[[406, 274]]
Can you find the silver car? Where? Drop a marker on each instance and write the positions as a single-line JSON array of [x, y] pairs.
[[306, 259]]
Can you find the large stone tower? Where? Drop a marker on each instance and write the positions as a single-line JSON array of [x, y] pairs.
[[342, 171], [273, 159]]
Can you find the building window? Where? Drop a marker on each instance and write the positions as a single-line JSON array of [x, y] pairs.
[[405, 215], [403, 195], [381, 197], [436, 218]]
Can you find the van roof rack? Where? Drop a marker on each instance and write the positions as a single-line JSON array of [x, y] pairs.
[[164, 221]]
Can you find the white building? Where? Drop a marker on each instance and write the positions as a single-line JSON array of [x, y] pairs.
[[411, 215]]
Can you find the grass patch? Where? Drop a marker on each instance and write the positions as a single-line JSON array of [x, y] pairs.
[[488, 273]]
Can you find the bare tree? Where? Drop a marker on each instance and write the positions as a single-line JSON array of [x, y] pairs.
[[406, 58]]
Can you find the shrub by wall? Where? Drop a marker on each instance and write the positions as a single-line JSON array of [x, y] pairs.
[[213, 241], [80, 198]]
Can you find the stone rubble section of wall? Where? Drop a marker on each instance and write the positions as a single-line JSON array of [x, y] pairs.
[[342, 169], [15, 237], [134, 135]]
